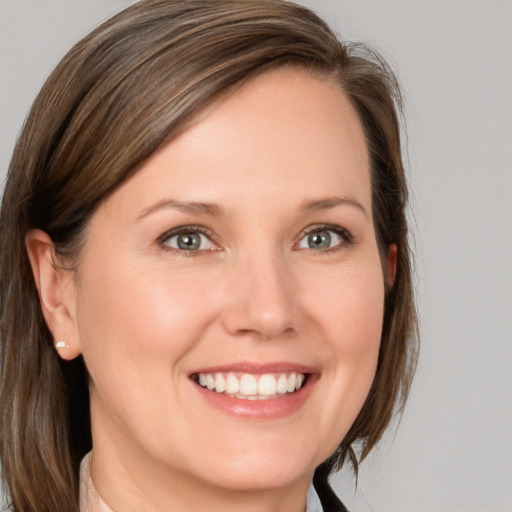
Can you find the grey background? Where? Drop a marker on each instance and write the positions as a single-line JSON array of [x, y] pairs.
[[453, 449]]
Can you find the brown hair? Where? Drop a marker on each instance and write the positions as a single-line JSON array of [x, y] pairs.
[[118, 95]]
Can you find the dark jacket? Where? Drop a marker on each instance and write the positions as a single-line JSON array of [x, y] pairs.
[[329, 500]]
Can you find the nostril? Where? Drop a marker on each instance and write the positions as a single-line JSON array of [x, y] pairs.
[[267, 333]]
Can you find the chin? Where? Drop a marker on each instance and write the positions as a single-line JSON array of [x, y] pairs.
[[262, 466], [272, 475]]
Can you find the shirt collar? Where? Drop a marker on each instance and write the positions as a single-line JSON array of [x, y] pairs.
[[313, 504], [90, 500]]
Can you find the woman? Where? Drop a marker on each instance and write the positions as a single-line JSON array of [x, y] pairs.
[[205, 278]]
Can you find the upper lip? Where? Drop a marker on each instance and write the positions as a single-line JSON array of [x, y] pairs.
[[256, 368]]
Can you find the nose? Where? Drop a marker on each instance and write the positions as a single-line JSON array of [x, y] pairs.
[[262, 302]]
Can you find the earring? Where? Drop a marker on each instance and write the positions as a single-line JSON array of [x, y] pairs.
[[61, 344]]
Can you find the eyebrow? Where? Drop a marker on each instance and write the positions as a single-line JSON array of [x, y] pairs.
[[331, 202], [216, 210], [185, 207]]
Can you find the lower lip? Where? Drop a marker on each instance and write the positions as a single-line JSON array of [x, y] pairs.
[[271, 408]]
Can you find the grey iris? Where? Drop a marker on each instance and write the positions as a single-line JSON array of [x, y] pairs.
[[189, 241], [319, 240]]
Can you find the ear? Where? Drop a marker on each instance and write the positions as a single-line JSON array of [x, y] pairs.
[[391, 262], [57, 292]]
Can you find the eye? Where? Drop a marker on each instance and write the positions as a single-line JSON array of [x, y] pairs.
[[324, 238], [189, 239]]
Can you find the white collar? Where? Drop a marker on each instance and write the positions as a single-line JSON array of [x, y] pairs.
[[90, 500], [313, 503]]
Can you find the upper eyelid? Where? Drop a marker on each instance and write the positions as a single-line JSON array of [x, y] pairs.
[[214, 239], [186, 229], [326, 227], [178, 230]]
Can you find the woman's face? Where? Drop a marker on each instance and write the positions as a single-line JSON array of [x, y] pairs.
[[242, 258]]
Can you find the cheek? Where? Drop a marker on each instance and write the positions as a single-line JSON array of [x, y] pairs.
[[139, 312], [359, 341], [351, 308], [136, 330], [351, 314]]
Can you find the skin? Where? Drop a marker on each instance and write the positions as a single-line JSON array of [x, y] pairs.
[[145, 314]]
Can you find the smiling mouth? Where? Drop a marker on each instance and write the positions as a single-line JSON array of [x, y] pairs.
[[248, 386]]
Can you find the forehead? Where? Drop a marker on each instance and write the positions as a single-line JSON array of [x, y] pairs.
[[284, 131]]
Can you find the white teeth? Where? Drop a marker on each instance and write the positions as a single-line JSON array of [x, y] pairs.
[[282, 384], [252, 387], [248, 385], [210, 381], [267, 385], [220, 383], [232, 383], [292, 379]]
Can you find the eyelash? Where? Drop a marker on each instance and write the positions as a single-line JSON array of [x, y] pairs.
[[346, 236], [184, 230]]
